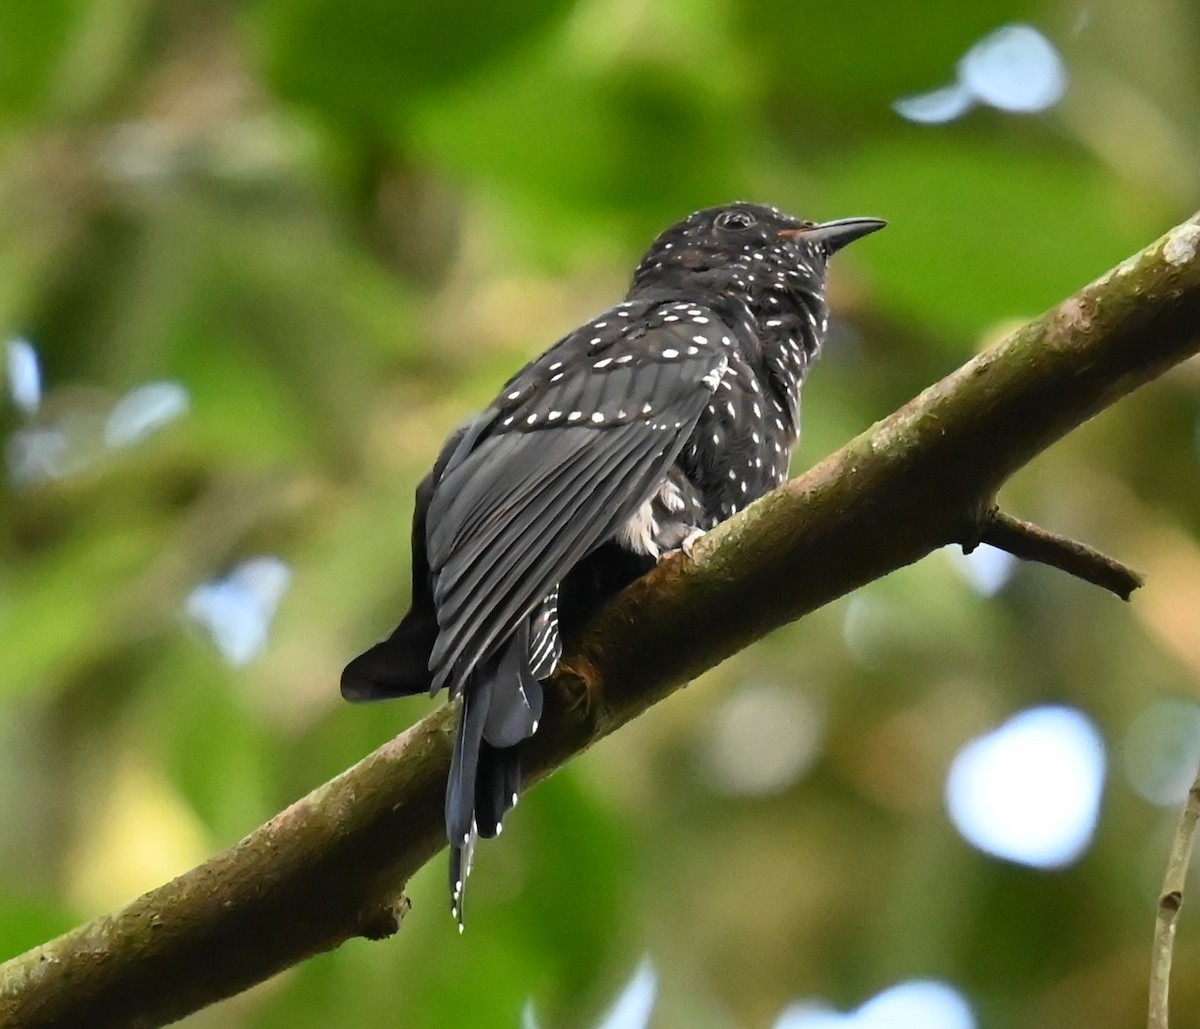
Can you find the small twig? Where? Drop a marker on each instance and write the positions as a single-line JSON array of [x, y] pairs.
[[1031, 542], [1170, 900]]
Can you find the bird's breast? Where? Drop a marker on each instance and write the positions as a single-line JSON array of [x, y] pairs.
[[742, 444]]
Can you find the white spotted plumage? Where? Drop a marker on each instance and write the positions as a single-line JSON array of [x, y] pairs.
[[644, 428]]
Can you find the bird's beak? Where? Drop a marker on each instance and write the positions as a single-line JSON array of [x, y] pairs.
[[836, 234]]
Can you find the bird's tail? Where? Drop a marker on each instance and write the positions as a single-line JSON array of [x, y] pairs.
[[397, 666], [501, 706]]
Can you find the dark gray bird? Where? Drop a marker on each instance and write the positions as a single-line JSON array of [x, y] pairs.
[[629, 438]]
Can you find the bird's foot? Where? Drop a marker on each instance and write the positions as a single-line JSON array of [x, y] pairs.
[[574, 686], [687, 544]]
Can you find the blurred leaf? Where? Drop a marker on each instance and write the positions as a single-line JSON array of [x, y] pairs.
[[141, 834], [980, 231], [860, 56], [364, 63], [224, 761], [34, 37], [28, 922], [60, 608]]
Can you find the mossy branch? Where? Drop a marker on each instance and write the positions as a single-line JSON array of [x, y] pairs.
[[334, 864]]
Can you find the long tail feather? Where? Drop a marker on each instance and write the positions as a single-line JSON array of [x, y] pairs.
[[502, 702], [497, 787]]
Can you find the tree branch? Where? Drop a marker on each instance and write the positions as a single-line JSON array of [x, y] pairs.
[[333, 865], [1031, 542], [1170, 900]]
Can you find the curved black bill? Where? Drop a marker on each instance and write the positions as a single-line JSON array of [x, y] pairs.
[[836, 234]]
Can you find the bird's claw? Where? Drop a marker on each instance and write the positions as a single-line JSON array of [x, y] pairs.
[[687, 545]]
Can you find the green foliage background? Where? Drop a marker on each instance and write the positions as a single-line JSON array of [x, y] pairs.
[[340, 224]]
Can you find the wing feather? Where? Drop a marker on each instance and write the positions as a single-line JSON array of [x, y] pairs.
[[483, 591], [530, 479], [572, 449]]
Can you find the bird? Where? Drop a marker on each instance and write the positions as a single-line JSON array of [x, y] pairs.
[[626, 440]]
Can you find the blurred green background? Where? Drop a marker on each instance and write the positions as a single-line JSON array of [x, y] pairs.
[[326, 230]]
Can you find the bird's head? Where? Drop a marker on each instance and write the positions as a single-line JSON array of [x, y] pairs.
[[745, 249]]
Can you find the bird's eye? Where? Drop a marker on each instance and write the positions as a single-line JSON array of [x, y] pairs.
[[735, 220]]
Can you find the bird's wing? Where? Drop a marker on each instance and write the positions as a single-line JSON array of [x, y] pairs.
[[573, 446]]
